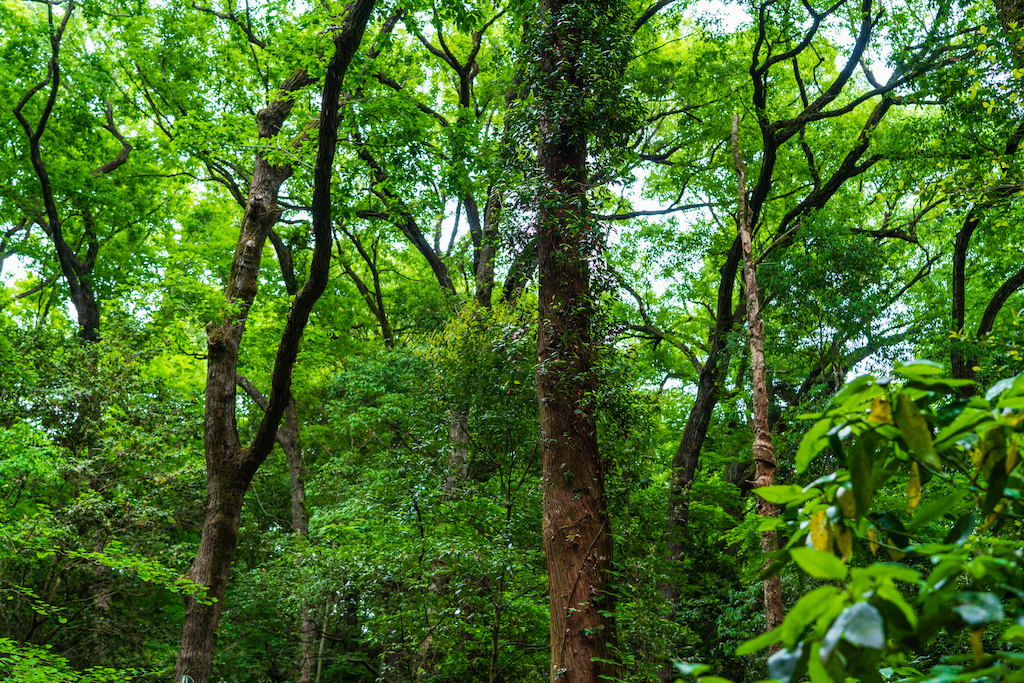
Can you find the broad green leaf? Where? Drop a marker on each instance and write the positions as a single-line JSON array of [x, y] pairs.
[[937, 508], [968, 419], [977, 608], [691, 668], [818, 564], [782, 494], [862, 480], [881, 571], [999, 387], [915, 431], [919, 368], [812, 444], [860, 624], [805, 611], [762, 641]]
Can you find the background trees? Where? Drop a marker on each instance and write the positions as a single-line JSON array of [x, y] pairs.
[[499, 177]]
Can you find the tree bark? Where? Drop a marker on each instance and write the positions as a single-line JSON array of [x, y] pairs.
[[576, 533], [764, 452], [229, 466], [684, 463]]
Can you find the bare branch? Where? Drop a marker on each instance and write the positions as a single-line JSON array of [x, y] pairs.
[[126, 147]]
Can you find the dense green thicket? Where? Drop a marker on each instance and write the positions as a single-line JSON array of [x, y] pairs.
[[394, 534]]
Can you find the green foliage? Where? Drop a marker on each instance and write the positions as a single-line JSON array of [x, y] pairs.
[[935, 487]]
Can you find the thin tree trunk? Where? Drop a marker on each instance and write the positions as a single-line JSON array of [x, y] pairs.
[[492, 676], [687, 456], [229, 466], [323, 639], [764, 452], [458, 460], [576, 533], [76, 272], [288, 437]]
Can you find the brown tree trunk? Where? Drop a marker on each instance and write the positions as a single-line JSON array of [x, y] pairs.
[[576, 533], [764, 452], [687, 456], [229, 466], [685, 461]]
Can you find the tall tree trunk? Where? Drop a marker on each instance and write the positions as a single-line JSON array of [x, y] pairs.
[[764, 452], [687, 456], [576, 533], [229, 466]]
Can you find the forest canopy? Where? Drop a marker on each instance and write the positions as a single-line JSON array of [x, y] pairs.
[[569, 340]]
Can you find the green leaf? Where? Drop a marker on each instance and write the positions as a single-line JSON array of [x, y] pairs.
[[860, 624], [782, 494], [968, 419], [691, 668], [880, 571], [762, 641], [999, 387], [812, 444], [915, 431], [977, 608], [918, 368], [819, 564], [862, 477], [805, 611], [937, 508], [962, 529]]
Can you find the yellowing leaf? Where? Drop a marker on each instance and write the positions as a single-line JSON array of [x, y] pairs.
[[880, 410], [820, 535], [914, 487], [916, 431], [872, 540], [844, 498], [844, 540], [976, 645], [978, 454]]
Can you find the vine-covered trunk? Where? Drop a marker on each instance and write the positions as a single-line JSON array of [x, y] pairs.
[[764, 452], [576, 533]]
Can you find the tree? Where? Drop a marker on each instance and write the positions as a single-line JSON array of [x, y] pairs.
[[573, 86], [230, 467]]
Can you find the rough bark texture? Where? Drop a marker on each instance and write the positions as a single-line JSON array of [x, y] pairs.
[[229, 466], [576, 533], [764, 453]]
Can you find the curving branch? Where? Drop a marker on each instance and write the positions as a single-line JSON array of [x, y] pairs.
[[126, 147]]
